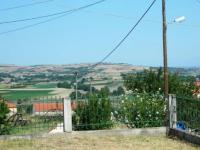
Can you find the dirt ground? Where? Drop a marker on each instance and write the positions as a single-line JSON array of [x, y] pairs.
[[97, 142]]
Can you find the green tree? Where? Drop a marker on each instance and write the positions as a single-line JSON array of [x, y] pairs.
[[104, 91], [151, 81], [4, 125], [73, 95], [118, 92], [93, 114], [64, 85], [146, 81]]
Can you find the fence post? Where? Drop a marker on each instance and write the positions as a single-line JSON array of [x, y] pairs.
[[172, 111], [67, 115]]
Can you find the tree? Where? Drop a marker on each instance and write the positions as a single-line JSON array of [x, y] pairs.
[[93, 114], [152, 81], [118, 92], [105, 91], [146, 81], [73, 95], [4, 126], [1, 79], [64, 85]]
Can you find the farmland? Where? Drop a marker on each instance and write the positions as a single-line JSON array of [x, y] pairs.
[[21, 94], [15, 94], [34, 81]]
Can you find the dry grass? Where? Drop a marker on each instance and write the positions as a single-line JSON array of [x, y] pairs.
[[95, 142]]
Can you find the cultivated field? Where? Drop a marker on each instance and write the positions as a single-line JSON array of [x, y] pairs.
[[97, 142], [15, 94]]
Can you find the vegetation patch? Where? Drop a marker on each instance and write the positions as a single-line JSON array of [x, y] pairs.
[[92, 141], [44, 85], [21, 94]]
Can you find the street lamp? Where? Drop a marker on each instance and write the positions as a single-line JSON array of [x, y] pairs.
[[180, 19], [165, 59], [76, 74]]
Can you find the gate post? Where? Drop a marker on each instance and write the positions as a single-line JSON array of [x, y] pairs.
[[67, 115], [172, 111]]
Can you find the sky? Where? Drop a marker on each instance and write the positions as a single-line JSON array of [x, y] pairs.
[[88, 35]]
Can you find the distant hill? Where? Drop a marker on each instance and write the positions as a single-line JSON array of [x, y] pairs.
[[108, 69]]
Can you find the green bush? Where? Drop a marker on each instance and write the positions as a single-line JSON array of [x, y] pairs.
[[4, 126], [64, 85], [151, 81], [24, 106], [141, 110], [93, 114]]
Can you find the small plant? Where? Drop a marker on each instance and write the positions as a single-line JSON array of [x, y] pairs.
[[4, 125], [93, 114], [141, 110]]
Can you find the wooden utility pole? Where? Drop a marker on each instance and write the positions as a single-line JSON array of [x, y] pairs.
[[166, 86], [90, 85], [76, 74], [165, 61]]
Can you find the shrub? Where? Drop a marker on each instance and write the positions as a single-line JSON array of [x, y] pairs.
[[93, 114], [4, 126], [118, 92], [64, 85], [141, 110], [24, 106]]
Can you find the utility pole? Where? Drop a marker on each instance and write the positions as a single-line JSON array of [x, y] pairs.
[[166, 88], [76, 74], [165, 61], [90, 85]]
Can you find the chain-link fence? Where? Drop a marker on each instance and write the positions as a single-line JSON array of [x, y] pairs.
[[130, 111], [35, 115], [188, 114]]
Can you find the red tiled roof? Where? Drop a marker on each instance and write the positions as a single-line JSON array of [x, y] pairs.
[[45, 107], [11, 105], [197, 83]]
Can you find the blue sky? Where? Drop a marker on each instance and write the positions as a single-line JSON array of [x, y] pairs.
[[88, 35]]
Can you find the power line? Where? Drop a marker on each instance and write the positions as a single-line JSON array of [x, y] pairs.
[[42, 22], [144, 20], [25, 5], [126, 36], [32, 25], [51, 15]]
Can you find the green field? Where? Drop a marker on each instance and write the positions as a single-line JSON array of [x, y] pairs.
[[21, 94], [4, 86], [44, 85]]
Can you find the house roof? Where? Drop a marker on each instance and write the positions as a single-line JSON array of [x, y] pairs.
[[45, 107], [11, 105], [197, 83]]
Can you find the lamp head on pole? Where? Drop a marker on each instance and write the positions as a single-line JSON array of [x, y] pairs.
[[180, 19]]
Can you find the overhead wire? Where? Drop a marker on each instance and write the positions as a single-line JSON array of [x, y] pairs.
[[144, 20], [123, 39], [25, 5], [51, 15], [33, 25], [51, 19]]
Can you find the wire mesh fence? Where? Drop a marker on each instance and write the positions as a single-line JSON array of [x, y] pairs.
[[188, 114], [130, 111], [44, 114], [35, 115]]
